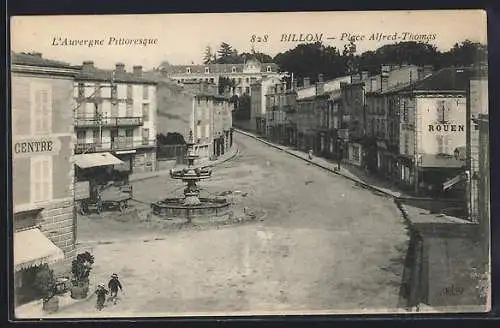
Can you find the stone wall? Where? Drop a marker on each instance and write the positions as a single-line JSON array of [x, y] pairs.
[[443, 255], [57, 222]]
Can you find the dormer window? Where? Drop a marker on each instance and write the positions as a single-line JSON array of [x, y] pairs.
[[207, 70], [188, 70], [268, 68], [233, 69]]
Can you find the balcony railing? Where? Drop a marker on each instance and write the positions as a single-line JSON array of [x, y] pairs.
[[92, 122], [125, 143]]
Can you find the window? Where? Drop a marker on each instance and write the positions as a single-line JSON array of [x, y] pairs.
[[247, 80], [114, 92], [97, 90], [407, 144], [405, 111], [81, 136], [145, 112], [188, 70], [145, 136], [95, 136], [129, 91], [247, 90], [41, 179], [145, 92], [129, 109], [239, 80], [41, 108], [233, 69], [81, 90], [129, 132], [268, 69], [207, 70]]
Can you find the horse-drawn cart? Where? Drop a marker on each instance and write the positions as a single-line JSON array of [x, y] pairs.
[[99, 186], [113, 196]]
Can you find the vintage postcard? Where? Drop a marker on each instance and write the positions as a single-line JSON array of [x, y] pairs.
[[236, 164]]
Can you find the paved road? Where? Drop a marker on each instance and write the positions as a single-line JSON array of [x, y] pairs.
[[325, 245]]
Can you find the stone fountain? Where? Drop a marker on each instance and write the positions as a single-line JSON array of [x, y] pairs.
[[191, 205]]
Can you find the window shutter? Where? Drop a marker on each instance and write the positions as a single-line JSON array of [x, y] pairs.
[[41, 178]]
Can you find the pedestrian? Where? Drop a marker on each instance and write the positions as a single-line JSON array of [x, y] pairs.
[[310, 154], [101, 296], [113, 286]]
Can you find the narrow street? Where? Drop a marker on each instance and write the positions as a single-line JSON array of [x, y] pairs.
[[325, 245]]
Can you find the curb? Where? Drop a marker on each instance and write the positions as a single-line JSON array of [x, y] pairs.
[[207, 164], [364, 184]]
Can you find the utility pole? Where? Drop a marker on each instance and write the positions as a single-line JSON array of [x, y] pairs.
[[415, 138]]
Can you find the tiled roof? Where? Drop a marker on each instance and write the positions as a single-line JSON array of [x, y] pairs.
[[446, 79], [96, 74], [217, 68], [36, 59]]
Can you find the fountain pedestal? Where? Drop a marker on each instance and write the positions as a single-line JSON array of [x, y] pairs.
[[191, 205]]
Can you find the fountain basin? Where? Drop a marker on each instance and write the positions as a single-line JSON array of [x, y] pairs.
[[174, 208]]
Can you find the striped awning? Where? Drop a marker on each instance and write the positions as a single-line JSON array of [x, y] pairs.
[[85, 161], [32, 248]]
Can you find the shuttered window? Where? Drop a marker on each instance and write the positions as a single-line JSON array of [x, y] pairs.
[[41, 108], [41, 179]]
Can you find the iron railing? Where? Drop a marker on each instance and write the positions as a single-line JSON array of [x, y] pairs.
[[120, 143], [93, 122]]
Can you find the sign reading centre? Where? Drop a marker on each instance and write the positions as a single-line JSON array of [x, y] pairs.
[[35, 146]]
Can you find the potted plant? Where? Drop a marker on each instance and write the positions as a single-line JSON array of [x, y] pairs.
[[80, 268], [45, 284]]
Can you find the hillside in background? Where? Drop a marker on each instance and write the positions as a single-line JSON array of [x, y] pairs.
[[174, 109]]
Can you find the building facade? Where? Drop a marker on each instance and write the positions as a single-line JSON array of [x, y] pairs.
[[242, 76], [258, 92], [197, 108], [116, 112], [477, 161], [433, 124], [280, 104], [382, 120], [44, 221]]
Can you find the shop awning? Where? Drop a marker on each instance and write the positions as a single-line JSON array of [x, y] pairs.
[[86, 161], [437, 161], [32, 248], [453, 181]]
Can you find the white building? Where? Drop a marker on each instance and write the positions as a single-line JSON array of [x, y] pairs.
[[116, 111], [241, 75]]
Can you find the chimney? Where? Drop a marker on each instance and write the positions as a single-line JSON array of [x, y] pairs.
[[384, 81], [320, 88], [307, 82], [364, 75], [137, 70], [320, 78], [88, 64], [120, 68]]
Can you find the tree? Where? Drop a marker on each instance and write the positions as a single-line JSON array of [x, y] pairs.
[[224, 83], [312, 59], [242, 111], [208, 56], [262, 57], [225, 50]]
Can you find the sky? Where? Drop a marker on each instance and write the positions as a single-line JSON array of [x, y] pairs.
[[182, 38]]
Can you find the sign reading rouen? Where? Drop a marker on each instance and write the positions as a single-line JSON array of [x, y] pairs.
[[446, 128]]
